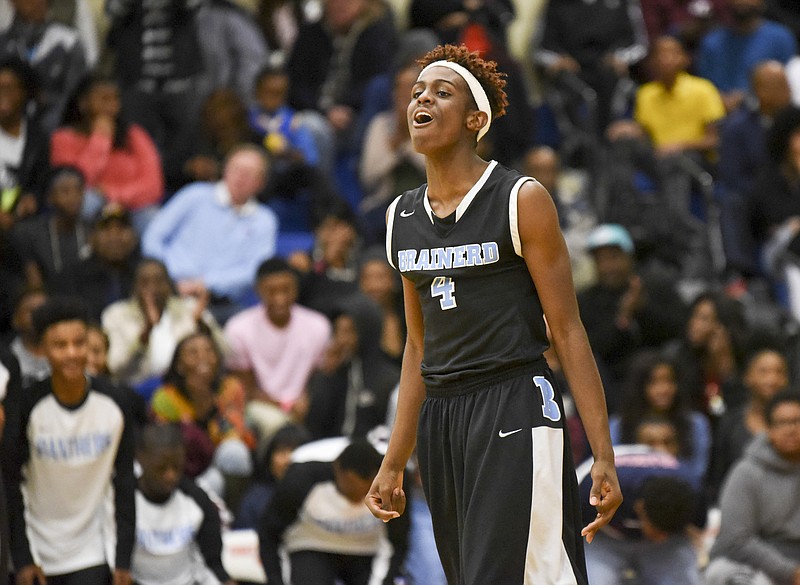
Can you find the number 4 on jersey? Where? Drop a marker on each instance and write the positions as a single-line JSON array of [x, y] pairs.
[[443, 286]]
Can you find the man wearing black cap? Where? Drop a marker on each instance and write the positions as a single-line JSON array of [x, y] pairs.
[[107, 274]]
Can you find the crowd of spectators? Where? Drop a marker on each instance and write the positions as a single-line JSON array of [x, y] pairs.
[[210, 178]]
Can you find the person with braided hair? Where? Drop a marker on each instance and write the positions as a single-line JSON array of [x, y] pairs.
[[484, 264]]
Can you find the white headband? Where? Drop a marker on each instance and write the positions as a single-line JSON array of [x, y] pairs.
[[478, 93]]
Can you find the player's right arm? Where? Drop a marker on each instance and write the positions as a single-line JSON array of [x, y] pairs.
[[386, 498]]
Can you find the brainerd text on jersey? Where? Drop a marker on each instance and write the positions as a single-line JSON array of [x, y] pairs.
[[448, 258]]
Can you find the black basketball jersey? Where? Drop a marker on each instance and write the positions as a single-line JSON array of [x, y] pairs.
[[481, 311]]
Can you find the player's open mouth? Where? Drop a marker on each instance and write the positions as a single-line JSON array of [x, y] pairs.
[[421, 118]]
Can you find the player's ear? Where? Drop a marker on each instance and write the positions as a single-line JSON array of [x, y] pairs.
[[477, 120]]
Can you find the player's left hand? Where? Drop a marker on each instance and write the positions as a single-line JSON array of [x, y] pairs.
[[122, 577], [605, 495]]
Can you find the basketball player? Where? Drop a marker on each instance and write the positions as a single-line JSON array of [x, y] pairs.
[[484, 264]]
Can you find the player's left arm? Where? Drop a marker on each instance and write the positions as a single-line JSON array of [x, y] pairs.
[[546, 256]]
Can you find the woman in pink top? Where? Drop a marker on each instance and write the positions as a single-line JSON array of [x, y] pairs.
[[119, 160]]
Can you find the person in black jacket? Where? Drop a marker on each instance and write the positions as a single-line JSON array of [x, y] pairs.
[[626, 310], [349, 396], [317, 515]]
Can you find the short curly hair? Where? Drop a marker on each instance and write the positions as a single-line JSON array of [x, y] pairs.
[[485, 72]]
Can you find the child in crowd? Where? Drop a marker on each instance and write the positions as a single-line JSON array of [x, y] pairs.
[[300, 147], [175, 519], [74, 447], [97, 351], [97, 366], [277, 124]]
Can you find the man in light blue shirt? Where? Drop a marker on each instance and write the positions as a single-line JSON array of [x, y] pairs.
[[213, 236], [728, 54]]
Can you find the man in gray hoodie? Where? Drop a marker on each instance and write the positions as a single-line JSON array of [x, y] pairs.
[[759, 540]]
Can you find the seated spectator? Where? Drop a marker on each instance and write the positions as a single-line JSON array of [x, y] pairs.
[[389, 164], [742, 153], [707, 356], [175, 519], [317, 515], [274, 348], [626, 310], [766, 373], [23, 157], [349, 395], [26, 344], [759, 536], [213, 236], [119, 160], [270, 469], [679, 112], [330, 274], [378, 281], [52, 245], [145, 329], [649, 533], [276, 122], [107, 274], [651, 389], [728, 54], [300, 188], [53, 50], [209, 405]]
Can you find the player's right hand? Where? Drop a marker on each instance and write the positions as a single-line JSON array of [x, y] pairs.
[[31, 575], [386, 498]]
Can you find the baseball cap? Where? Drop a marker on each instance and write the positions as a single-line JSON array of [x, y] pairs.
[[610, 234], [112, 212]]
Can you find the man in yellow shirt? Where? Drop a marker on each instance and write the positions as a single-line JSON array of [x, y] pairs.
[[677, 110]]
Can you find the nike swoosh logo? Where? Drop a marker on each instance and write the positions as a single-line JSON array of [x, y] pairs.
[[405, 213], [502, 435]]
